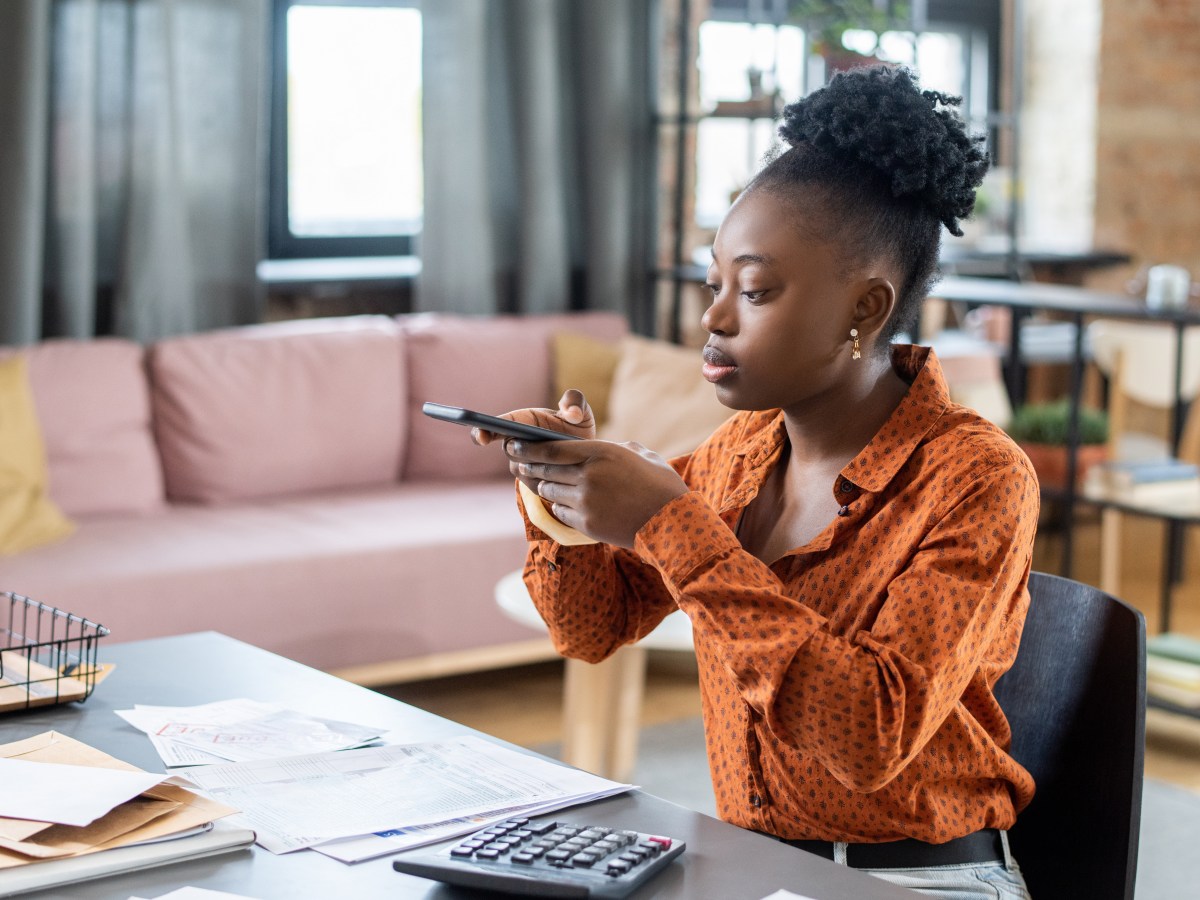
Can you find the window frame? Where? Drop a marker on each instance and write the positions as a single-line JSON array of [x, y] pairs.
[[281, 242]]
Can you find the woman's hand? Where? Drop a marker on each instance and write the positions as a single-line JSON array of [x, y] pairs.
[[607, 491], [573, 416]]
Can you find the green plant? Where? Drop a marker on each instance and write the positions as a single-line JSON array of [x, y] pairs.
[[827, 20], [1048, 423]]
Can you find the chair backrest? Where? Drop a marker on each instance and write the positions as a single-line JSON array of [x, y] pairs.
[[1076, 701]]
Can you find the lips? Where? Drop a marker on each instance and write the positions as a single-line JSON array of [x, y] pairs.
[[717, 365]]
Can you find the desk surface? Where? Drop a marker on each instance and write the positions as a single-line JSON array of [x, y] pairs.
[[721, 861]]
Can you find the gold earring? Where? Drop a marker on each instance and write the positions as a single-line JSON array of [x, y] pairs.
[[855, 351]]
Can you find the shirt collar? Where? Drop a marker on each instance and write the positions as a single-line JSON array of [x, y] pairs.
[[921, 407], [924, 403]]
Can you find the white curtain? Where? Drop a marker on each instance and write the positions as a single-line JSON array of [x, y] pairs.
[[539, 137], [135, 132]]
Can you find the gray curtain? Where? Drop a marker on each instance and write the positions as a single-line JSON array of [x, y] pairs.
[[132, 139], [539, 183]]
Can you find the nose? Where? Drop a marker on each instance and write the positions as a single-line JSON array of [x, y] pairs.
[[718, 318]]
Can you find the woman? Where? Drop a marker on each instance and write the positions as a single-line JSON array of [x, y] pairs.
[[852, 548]]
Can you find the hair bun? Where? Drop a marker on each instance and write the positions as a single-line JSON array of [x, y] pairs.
[[881, 119]]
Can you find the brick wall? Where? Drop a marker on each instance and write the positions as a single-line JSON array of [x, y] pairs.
[[1148, 135]]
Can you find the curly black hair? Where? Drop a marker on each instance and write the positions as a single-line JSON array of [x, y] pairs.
[[890, 164]]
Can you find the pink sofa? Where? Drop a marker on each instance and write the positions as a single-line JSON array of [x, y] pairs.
[[279, 483]]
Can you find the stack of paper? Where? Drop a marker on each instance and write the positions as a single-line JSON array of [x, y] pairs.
[[70, 812], [358, 804], [240, 731], [1173, 669]]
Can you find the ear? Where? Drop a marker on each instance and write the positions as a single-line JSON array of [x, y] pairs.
[[874, 307]]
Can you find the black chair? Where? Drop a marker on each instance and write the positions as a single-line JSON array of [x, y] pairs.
[[1076, 700]]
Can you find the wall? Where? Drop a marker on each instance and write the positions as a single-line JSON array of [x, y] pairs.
[[1148, 135]]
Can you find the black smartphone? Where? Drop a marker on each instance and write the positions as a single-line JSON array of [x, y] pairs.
[[494, 424]]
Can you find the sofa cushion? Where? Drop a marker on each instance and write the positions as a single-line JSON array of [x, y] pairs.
[[27, 516], [492, 364], [282, 408], [93, 405], [660, 399]]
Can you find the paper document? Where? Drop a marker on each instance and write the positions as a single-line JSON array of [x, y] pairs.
[[66, 794], [307, 800], [239, 731], [195, 893]]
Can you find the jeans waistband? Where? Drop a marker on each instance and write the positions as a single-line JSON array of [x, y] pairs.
[[909, 853]]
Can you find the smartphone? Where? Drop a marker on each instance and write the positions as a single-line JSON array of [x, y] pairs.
[[494, 424]]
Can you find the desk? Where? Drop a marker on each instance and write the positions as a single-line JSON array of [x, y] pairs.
[[602, 702], [721, 861]]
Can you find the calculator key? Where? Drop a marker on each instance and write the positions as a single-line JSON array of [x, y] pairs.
[[664, 842], [594, 833], [558, 856], [541, 827], [649, 848], [462, 851], [522, 833], [584, 860], [497, 846], [617, 867], [633, 856], [487, 853], [524, 859]]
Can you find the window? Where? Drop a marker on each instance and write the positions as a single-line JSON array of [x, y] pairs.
[[345, 174], [751, 61]]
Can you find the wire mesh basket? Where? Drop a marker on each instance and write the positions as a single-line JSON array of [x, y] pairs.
[[47, 656]]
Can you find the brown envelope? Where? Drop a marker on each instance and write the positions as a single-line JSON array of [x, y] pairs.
[[163, 810]]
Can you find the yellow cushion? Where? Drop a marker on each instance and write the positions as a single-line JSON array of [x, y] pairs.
[[27, 516], [586, 364], [660, 399]]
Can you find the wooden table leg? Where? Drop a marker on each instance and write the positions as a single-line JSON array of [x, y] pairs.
[[602, 706]]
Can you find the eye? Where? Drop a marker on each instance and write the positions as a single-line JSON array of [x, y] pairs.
[[713, 289], [753, 296]]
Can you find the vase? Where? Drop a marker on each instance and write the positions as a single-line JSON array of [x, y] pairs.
[[1050, 462]]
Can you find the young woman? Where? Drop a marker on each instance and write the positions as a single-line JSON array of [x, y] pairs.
[[852, 548]]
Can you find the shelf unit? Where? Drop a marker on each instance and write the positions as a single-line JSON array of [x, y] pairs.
[[1002, 125]]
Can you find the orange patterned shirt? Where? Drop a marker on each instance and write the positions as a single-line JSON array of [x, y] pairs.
[[847, 688]]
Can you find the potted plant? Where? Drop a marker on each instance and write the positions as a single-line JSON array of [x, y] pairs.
[[826, 21], [1041, 430]]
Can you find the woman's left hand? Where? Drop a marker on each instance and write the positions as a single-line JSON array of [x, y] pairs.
[[606, 490]]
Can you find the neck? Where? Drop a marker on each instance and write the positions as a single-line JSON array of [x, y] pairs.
[[837, 428]]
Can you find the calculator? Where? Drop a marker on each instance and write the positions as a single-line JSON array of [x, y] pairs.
[[547, 859]]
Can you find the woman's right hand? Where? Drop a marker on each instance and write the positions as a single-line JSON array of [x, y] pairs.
[[573, 416]]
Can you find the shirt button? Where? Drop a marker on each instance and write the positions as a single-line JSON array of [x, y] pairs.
[[755, 801], [846, 487], [552, 567]]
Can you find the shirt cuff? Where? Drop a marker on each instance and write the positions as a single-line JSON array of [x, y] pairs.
[[683, 536]]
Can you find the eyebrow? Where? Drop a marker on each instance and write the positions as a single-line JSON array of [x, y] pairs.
[[753, 258], [759, 258]]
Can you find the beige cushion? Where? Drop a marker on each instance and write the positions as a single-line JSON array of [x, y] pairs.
[[27, 517], [660, 400], [586, 364]]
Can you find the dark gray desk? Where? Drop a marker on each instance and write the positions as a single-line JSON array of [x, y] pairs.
[[722, 862]]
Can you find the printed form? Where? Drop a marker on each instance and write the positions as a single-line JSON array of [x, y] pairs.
[[303, 801]]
